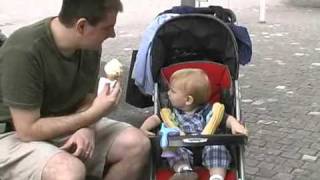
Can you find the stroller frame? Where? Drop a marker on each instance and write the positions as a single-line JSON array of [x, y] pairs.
[[224, 49]]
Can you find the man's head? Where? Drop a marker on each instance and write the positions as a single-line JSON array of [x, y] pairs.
[[189, 87], [93, 20]]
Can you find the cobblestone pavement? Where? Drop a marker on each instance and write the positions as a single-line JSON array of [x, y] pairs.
[[280, 87], [280, 91]]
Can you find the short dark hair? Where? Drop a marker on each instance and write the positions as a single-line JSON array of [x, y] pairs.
[[92, 10]]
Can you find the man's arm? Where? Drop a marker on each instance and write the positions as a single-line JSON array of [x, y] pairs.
[[31, 127]]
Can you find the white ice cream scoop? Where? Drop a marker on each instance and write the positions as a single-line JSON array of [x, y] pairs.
[[113, 69]]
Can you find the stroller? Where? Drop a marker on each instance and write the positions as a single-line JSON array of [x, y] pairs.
[[197, 40]]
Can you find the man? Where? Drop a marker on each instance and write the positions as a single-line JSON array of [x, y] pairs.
[[48, 74]]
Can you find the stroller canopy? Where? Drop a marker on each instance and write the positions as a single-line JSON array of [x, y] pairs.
[[194, 37]]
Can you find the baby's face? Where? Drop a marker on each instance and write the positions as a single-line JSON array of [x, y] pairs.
[[177, 96]]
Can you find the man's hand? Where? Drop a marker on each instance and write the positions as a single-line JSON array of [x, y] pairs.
[[107, 99], [81, 144]]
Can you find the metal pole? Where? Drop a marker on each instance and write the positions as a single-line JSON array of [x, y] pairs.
[[262, 17], [191, 3]]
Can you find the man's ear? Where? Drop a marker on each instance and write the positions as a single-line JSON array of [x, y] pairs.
[[81, 25], [190, 100]]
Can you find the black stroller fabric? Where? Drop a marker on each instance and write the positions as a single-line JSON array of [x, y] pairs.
[[226, 15], [133, 94], [194, 37]]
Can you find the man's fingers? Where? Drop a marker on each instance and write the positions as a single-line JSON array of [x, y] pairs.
[[106, 89], [91, 150], [81, 148], [246, 132], [88, 152], [91, 153], [116, 89], [66, 145], [78, 152]]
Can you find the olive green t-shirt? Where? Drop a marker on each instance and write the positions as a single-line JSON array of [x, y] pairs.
[[34, 74]]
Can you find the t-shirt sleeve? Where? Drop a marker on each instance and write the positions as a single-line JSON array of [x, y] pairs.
[[21, 80]]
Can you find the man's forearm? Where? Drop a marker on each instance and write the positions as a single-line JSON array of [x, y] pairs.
[[52, 127]]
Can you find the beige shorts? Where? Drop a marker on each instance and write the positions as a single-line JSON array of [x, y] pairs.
[[20, 160]]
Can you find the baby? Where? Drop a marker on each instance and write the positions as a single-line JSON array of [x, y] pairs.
[[189, 94]]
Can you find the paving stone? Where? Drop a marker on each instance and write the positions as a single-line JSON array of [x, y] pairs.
[[275, 159], [309, 158], [283, 176], [274, 152], [300, 172], [251, 170], [313, 166], [261, 178], [249, 177], [282, 168], [263, 172], [286, 141], [315, 146], [274, 145], [293, 163], [251, 162], [308, 151], [291, 155], [314, 176], [290, 148], [265, 165]]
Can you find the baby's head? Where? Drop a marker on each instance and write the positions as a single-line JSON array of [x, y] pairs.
[[189, 88]]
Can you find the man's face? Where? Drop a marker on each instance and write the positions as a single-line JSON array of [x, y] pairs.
[[94, 36]]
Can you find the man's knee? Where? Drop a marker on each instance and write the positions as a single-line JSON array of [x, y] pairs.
[[135, 141], [64, 166]]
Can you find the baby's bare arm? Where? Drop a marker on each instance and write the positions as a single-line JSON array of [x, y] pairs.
[[151, 123], [235, 126]]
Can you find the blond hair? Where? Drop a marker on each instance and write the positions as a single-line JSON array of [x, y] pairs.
[[194, 82]]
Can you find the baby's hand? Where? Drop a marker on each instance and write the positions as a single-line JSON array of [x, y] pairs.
[[238, 128]]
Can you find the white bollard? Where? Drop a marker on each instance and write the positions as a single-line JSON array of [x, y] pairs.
[[262, 17]]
